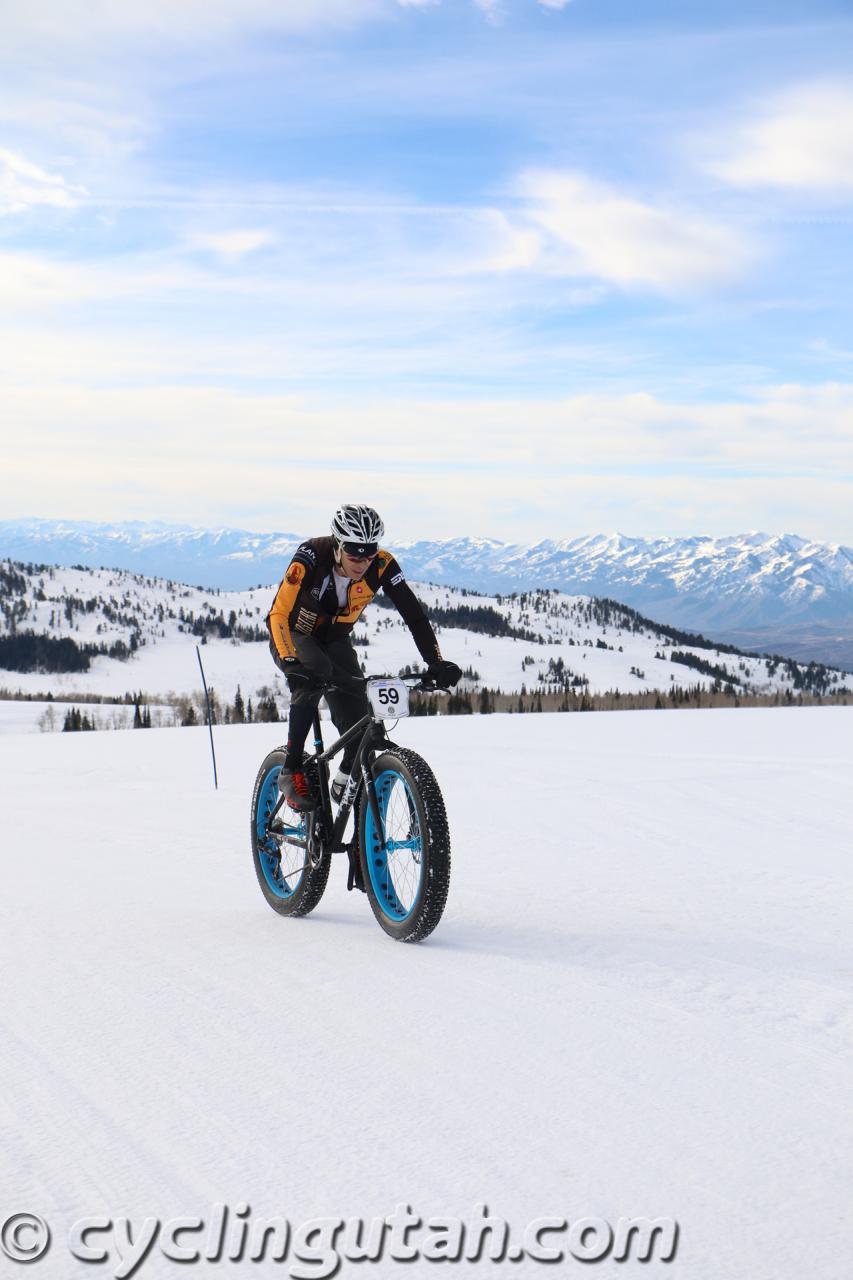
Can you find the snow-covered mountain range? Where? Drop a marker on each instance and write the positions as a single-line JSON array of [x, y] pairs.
[[774, 592]]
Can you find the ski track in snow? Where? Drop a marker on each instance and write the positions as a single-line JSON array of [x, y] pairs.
[[639, 1001]]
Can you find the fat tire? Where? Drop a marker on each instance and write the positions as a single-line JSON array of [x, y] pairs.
[[311, 887], [435, 878]]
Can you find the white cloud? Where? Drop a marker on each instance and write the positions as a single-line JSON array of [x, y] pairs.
[[23, 184], [29, 282], [34, 285], [801, 139], [493, 9], [591, 229], [634, 462], [94, 120], [495, 243], [92, 24], [83, 22], [234, 244]]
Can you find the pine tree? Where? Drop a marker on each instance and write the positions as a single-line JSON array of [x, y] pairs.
[[267, 710], [238, 711]]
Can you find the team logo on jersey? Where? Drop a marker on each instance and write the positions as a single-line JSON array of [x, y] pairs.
[[295, 574], [398, 577], [305, 621]]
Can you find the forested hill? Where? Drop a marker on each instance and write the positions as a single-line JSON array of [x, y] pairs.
[[109, 631]]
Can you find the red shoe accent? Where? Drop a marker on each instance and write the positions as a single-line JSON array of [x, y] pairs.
[[296, 789]]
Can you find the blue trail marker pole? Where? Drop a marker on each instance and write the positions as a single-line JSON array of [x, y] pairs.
[[209, 717]]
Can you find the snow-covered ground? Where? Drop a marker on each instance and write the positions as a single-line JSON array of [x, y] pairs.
[[639, 1002], [30, 717]]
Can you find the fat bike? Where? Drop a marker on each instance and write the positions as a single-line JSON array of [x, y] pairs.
[[399, 848]]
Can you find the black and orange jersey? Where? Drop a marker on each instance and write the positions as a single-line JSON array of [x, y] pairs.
[[307, 602]]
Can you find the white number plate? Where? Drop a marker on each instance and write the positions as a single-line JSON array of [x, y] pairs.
[[389, 698]]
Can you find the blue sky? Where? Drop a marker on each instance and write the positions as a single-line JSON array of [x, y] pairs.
[[503, 267]]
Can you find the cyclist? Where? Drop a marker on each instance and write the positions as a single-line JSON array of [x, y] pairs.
[[327, 585]]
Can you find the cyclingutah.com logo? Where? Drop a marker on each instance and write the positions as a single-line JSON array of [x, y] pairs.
[[317, 1248]]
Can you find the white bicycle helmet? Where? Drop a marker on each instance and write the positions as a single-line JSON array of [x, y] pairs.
[[357, 529]]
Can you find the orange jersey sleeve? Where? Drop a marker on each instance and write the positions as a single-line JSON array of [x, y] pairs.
[[278, 618]]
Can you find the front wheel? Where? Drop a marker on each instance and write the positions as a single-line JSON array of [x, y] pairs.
[[289, 882], [406, 866]]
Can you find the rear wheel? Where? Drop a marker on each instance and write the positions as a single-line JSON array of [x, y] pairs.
[[406, 865], [290, 884]]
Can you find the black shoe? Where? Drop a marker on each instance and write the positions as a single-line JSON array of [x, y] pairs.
[[293, 785]]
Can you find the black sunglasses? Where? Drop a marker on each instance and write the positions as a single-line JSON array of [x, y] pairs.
[[360, 550]]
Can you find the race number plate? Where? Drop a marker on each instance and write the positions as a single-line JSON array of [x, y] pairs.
[[389, 698]]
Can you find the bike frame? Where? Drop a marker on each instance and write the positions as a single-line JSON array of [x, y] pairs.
[[372, 736], [372, 732]]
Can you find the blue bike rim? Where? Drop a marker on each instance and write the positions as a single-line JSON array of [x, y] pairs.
[[272, 859], [394, 857]]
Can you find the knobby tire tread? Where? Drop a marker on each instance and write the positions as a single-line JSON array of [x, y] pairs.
[[434, 897], [314, 880]]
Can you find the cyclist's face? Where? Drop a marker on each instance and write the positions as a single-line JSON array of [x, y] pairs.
[[355, 567]]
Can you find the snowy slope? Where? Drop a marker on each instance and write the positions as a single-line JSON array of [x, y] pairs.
[[598, 652], [639, 1002]]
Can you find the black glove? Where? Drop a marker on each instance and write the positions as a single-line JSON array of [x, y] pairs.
[[444, 674]]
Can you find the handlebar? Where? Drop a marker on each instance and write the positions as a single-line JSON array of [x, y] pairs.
[[419, 682]]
